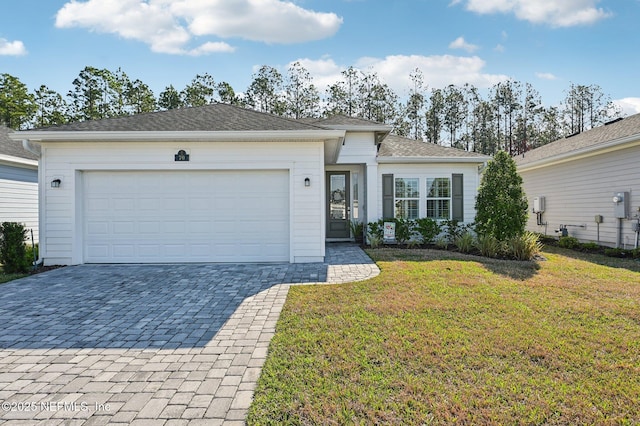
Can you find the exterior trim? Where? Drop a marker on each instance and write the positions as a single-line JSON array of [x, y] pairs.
[[156, 136], [422, 160]]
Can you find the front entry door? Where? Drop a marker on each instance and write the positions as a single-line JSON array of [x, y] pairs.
[[338, 205]]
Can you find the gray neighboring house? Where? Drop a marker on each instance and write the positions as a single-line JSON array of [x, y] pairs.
[[18, 183], [587, 184]]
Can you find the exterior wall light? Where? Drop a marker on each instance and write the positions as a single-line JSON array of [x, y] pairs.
[[56, 183], [307, 182]]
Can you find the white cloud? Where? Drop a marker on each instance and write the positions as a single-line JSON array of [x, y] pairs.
[[564, 13], [546, 76], [438, 71], [12, 48], [629, 106], [460, 43], [168, 26]]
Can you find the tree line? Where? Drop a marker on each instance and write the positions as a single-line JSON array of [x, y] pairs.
[[509, 116]]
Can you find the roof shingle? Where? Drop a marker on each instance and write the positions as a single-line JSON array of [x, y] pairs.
[[628, 127], [394, 146], [11, 147], [214, 117]]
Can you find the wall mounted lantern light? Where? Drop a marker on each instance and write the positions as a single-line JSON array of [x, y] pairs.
[[307, 182], [56, 183]]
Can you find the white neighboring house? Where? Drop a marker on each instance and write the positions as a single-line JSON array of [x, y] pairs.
[[220, 183], [18, 184], [576, 180]]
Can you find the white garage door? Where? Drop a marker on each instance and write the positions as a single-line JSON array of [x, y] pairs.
[[194, 216]]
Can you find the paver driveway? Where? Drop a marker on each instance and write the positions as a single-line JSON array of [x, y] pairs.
[[147, 344]]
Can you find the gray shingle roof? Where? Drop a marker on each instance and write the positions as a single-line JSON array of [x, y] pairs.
[[394, 146], [214, 117], [628, 127], [11, 147]]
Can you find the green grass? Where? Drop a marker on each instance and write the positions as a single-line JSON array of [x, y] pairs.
[[4, 278], [441, 338]]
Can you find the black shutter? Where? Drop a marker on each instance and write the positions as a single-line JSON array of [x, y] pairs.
[[387, 196], [457, 198]]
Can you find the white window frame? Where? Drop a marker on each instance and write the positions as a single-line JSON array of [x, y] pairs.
[[406, 198], [438, 198]]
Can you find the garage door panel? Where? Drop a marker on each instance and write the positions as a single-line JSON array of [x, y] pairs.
[[204, 216]]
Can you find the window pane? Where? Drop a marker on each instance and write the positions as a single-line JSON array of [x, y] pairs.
[[407, 209], [438, 188], [407, 188], [438, 209]]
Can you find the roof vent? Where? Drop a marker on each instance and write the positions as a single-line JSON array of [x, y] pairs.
[[614, 121]]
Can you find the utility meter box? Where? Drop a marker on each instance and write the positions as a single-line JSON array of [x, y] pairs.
[[538, 204], [620, 205]]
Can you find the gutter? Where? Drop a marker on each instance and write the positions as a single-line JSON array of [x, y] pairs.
[[156, 136], [34, 149], [414, 160]]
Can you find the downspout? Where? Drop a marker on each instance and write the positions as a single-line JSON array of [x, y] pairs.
[[27, 145]]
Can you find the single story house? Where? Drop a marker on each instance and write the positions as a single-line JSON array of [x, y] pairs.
[[18, 183], [220, 183], [587, 185]]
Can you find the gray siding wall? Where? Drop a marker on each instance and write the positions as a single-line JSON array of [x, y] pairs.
[[576, 191], [19, 196]]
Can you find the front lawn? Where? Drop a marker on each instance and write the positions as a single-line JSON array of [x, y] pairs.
[[440, 338]]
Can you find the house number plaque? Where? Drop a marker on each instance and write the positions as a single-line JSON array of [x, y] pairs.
[[182, 156]]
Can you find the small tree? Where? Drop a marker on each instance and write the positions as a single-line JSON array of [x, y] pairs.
[[501, 206], [13, 250]]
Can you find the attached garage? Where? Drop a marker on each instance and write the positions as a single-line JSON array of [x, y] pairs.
[[186, 216]]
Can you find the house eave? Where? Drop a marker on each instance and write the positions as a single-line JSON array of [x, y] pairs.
[[416, 160], [17, 161], [602, 148], [194, 136]]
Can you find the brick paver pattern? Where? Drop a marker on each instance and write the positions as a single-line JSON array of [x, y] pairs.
[[147, 344]]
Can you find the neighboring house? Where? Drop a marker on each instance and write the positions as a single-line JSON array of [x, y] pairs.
[[576, 179], [18, 184], [221, 183]]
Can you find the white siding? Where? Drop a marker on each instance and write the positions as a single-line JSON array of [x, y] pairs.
[[471, 182], [576, 191], [358, 148], [19, 197], [62, 217]]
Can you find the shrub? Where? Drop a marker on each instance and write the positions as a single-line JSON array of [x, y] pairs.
[[13, 250], [357, 229], [525, 246], [591, 246], [427, 228], [488, 245], [374, 240], [376, 230], [465, 242], [453, 230], [442, 242], [501, 205], [568, 242], [619, 252], [404, 229]]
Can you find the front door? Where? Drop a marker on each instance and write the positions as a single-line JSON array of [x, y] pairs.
[[338, 205]]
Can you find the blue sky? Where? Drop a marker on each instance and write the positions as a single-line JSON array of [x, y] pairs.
[[548, 43]]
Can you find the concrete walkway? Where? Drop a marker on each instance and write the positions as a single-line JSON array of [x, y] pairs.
[[147, 344]]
